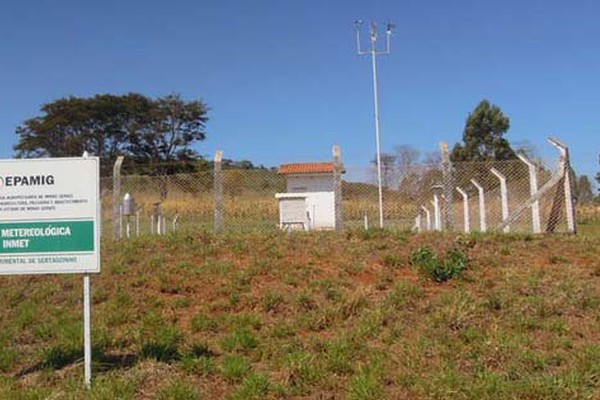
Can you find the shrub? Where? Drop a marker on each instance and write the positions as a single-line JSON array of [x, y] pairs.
[[436, 269]]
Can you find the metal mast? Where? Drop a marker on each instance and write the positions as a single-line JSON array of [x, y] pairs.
[[373, 34]]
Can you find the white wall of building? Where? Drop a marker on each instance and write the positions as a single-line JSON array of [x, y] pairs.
[[321, 208], [310, 183], [317, 189]]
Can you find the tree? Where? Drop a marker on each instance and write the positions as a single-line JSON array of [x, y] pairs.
[[388, 162], [483, 136], [167, 129], [409, 171], [143, 129], [583, 188]]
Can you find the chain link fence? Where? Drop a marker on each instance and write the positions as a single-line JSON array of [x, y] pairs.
[[509, 196]]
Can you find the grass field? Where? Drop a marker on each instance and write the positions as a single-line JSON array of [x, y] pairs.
[[357, 315]]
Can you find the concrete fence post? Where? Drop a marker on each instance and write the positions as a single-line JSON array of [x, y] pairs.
[[338, 170], [448, 187], [218, 187], [117, 196], [533, 188], [418, 223], [503, 197], [436, 213], [568, 188], [466, 216], [427, 217], [482, 217]]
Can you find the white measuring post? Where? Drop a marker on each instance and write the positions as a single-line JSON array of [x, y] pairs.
[[466, 217], [427, 217], [137, 222], [482, 219], [50, 224], [533, 188], [503, 196]]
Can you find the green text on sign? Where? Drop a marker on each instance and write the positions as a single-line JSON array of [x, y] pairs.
[[46, 237]]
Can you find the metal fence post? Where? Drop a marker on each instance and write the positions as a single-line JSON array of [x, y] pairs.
[[117, 195], [338, 169], [448, 183], [503, 196], [218, 187]]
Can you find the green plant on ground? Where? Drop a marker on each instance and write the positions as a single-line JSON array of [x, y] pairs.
[[432, 267], [8, 357], [255, 386], [402, 294], [242, 339], [199, 360], [366, 384], [271, 301], [203, 323], [164, 346], [234, 367]]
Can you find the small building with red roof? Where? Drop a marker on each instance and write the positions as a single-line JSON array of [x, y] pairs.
[[309, 201]]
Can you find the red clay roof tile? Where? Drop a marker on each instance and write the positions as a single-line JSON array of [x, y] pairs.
[[306, 168]]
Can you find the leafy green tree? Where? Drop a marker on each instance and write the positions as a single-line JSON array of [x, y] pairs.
[[145, 130], [483, 136], [167, 129]]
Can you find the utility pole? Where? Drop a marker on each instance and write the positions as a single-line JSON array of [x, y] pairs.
[[373, 34]]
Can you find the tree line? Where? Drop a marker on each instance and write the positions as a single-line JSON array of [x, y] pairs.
[[157, 135]]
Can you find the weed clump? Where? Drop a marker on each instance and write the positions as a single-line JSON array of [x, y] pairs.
[[439, 269], [164, 347]]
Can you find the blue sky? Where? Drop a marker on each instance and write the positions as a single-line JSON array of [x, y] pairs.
[[284, 82]]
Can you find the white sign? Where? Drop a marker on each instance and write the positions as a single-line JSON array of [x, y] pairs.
[[50, 216]]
